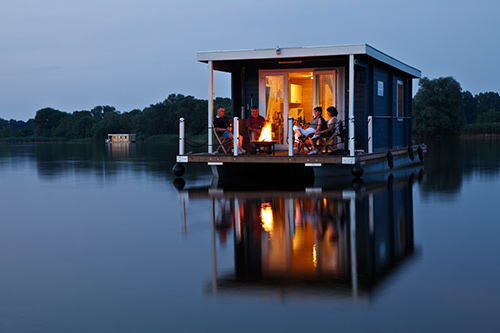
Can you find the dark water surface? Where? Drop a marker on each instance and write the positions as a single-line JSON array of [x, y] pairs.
[[98, 239]]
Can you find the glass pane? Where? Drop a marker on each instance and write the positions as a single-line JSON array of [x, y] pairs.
[[274, 105], [301, 97], [325, 92]]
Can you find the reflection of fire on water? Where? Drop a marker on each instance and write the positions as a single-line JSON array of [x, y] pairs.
[[266, 134], [266, 215], [318, 241]]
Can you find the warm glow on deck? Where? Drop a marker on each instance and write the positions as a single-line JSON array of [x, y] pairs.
[[266, 134]]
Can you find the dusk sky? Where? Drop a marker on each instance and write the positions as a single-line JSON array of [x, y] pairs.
[[73, 55]]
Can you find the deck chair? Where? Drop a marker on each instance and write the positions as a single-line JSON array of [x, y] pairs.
[[224, 145], [330, 143], [304, 143]]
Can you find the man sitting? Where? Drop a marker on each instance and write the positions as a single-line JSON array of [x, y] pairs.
[[255, 123], [223, 125]]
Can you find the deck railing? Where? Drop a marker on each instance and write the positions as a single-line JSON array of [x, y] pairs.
[[181, 136]]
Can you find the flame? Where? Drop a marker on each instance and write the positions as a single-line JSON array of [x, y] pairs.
[[266, 134]]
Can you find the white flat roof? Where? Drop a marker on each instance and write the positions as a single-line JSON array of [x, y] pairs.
[[303, 52]]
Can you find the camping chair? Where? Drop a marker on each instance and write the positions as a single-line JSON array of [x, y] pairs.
[[330, 143], [224, 145], [304, 143]]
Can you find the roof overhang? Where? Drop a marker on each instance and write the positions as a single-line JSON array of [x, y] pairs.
[[306, 52]]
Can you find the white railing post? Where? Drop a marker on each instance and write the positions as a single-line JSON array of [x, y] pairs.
[[181, 136], [370, 134], [290, 136], [236, 134]]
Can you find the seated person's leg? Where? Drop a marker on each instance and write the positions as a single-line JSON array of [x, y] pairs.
[[308, 131], [297, 132]]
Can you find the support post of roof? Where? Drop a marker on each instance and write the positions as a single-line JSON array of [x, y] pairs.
[[351, 105], [210, 104]]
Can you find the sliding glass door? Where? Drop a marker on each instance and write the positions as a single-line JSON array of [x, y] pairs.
[[296, 93], [272, 88], [329, 89]]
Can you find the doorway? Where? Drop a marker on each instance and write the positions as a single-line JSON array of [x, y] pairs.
[[295, 93]]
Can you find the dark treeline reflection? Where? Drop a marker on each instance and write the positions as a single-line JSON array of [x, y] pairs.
[[316, 241], [449, 161], [57, 160], [107, 160]]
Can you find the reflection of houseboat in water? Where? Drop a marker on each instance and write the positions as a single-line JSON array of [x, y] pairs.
[[121, 138], [371, 91], [319, 241], [119, 145]]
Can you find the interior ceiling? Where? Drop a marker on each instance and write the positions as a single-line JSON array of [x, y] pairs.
[[299, 75]]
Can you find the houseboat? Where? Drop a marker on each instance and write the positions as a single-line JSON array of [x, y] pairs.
[[121, 138], [371, 90]]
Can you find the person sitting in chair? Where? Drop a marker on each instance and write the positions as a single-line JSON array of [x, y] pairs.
[[223, 125], [255, 123], [332, 127], [318, 123]]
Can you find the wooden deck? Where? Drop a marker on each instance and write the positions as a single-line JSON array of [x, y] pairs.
[[278, 158], [304, 165], [281, 157]]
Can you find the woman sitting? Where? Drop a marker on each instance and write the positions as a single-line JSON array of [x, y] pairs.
[[332, 127], [318, 123]]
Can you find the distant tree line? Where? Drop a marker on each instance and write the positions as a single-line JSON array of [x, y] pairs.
[[155, 120], [441, 108]]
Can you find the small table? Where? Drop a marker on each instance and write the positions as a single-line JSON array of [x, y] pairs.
[[264, 146]]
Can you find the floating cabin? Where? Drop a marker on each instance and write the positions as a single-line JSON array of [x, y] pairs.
[[120, 138], [371, 90]]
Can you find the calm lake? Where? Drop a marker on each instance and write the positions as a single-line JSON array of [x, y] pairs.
[[97, 238]]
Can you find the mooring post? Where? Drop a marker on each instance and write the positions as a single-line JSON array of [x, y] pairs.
[[181, 136], [290, 136]]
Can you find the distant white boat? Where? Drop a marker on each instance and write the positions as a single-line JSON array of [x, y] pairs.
[[121, 138]]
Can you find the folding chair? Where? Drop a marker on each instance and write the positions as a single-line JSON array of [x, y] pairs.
[[304, 143], [330, 143], [225, 145]]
